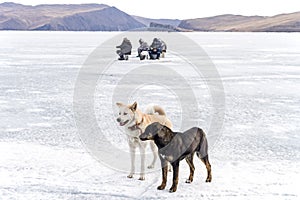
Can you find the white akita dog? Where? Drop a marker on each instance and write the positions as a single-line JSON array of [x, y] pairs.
[[135, 123]]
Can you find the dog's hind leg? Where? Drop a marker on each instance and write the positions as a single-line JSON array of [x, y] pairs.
[[132, 158], [142, 151], [155, 154], [202, 154], [208, 167], [189, 160]]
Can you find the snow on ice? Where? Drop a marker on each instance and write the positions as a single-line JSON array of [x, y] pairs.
[[256, 157]]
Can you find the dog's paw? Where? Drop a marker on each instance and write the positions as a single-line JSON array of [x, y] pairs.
[[142, 178], [188, 181], [172, 189], [208, 180], [130, 176], [161, 187], [150, 167]]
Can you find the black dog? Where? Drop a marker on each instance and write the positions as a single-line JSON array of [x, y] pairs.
[[175, 146]]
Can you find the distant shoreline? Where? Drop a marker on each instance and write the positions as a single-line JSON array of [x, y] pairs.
[[54, 31]]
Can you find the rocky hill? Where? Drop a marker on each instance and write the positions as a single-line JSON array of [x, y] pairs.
[[279, 23], [84, 17]]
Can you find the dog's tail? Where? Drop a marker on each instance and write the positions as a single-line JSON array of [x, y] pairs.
[[202, 149], [155, 109]]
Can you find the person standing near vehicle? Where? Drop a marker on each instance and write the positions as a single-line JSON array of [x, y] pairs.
[[125, 49], [163, 47], [143, 47], [155, 49]]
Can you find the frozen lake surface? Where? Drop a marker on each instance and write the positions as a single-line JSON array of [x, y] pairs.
[[257, 155]]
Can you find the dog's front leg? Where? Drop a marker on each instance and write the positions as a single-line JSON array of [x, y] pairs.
[[175, 166], [155, 154], [164, 169], [142, 176], [132, 158]]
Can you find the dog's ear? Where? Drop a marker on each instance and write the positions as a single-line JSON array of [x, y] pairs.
[[161, 131], [119, 104], [133, 106]]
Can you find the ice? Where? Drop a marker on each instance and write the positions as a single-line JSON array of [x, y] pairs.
[[41, 155]]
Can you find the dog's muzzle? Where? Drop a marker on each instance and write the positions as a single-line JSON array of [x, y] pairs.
[[143, 138], [122, 123]]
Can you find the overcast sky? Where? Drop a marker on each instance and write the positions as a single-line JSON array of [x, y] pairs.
[[185, 9]]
